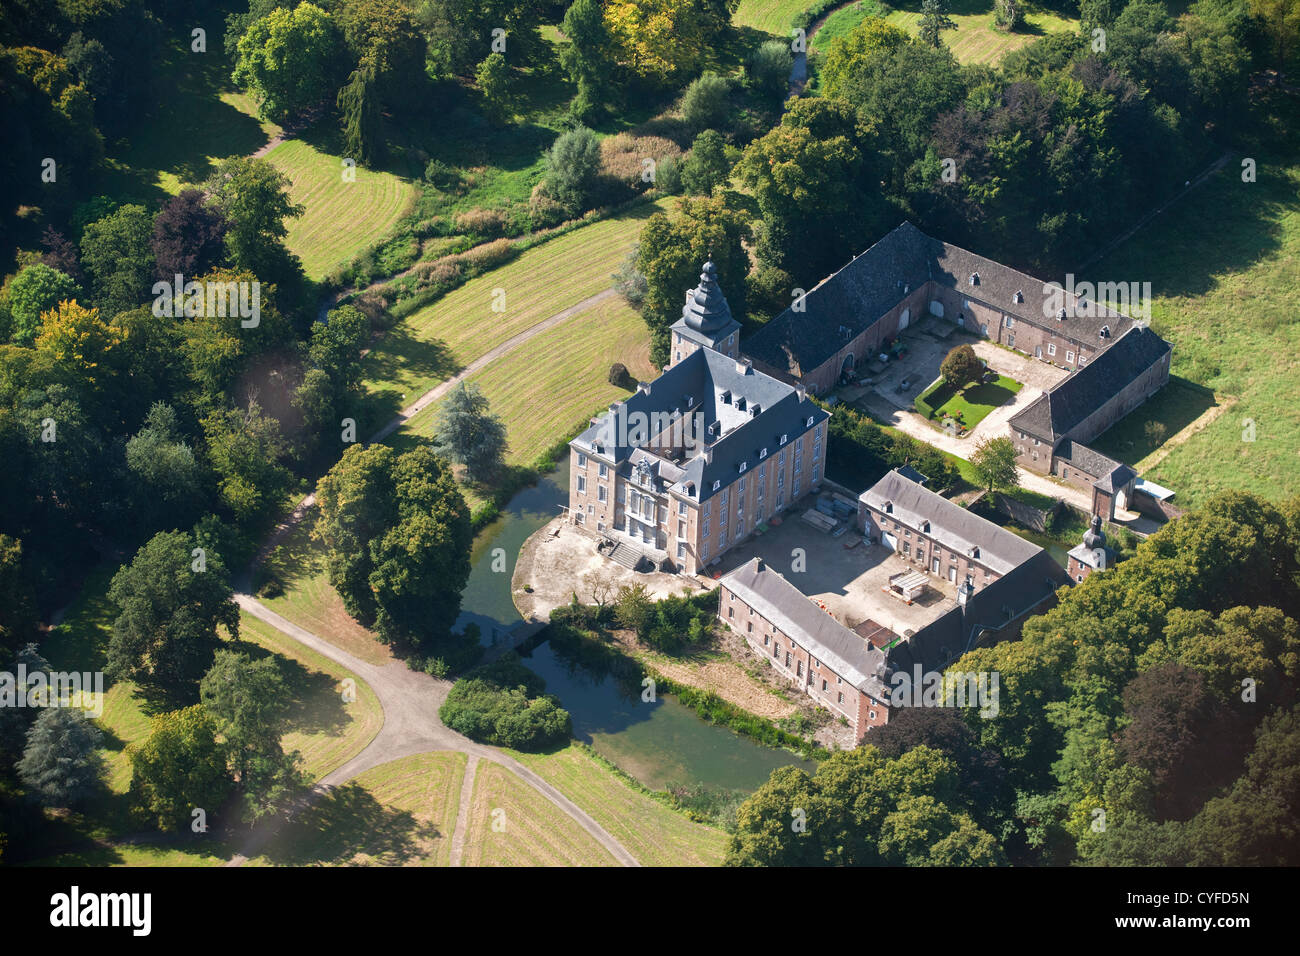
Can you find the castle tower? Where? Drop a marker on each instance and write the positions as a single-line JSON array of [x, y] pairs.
[[706, 321], [1092, 555]]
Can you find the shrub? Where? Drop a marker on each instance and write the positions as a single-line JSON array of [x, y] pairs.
[[573, 169], [1155, 432], [441, 175], [489, 255], [623, 158], [767, 71], [705, 102], [545, 211], [619, 376], [481, 222], [668, 177], [503, 704], [629, 281], [708, 166]]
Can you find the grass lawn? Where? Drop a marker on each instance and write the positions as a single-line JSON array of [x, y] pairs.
[[842, 22], [650, 831], [1227, 298], [310, 601], [529, 829], [976, 39], [560, 378], [432, 344], [401, 813], [341, 218], [971, 404]]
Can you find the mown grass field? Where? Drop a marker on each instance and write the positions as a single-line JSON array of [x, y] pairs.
[[559, 378], [341, 218], [401, 813], [531, 831], [432, 344], [770, 16], [650, 831], [976, 39], [1224, 264]]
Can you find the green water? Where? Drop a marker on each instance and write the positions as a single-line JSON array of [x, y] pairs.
[[659, 743]]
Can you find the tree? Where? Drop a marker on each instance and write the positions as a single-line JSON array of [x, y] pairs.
[[177, 769], [35, 290], [358, 104], [870, 39], [189, 237], [288, 60], [704, 104], [495, 82], [469, 434], [245, 448], [658, 41], [573, 169], [169, 490], [812, 177], [961, 366], [171, 603], [18, 617], [397, 536], [995, 463], [503, 704], [253, 195], [60, 253], [633, 607], [1007, 14], [1281, 20], [76, 339], [587, 58], [249, 702], [934, 20], [707, 167], [767, 71], [117, 257], [61, 765], [672, 250]]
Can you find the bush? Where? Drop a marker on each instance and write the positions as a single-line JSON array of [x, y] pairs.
[[619, 376], [668, 177], [488, 256], [629, 281], [545, 211], [705, 102], [708, 166], [767, 71], [441, 175], [502, 704], [623, 158], [481, 222], [573, 169]]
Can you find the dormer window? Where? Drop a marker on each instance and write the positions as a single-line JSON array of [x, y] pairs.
[[974, 278], [889, 507], [925, 527], [726, 398], [784, 439], [1061, 315], [716, 485], [1019, 296], [744, 465], [740, 404], [762, 453], [810, 421], [975, 552]]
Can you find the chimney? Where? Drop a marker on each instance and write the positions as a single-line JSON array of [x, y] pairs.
[[643, 388], [801, 392], [743, 366], [759, 565]]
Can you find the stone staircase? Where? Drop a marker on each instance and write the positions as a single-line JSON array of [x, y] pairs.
[[629, 557]]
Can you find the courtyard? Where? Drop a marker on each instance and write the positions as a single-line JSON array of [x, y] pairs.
[[846, 581]]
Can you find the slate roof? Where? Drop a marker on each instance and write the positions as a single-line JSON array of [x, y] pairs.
[[1056, 412], [706, 317], [955, 528], [845, 304], [772, 596], [911, 474], [698, 384]]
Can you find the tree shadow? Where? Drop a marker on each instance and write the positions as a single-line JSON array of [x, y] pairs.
[[1174, 407], [989, 393], [344, 822]]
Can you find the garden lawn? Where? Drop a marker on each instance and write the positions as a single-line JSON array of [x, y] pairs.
[[976, 40], [557, 380], [400, 813], [1224, 264], [341, 218], [653, 833], [972, 403], [530, 830], [432, 344]]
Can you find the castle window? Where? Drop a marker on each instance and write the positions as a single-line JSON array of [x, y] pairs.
[[582, 485], [1051, 348], [604, 471], [1008, 321], [762, 453], [743, 466], [1069, 356], [582, 460]]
